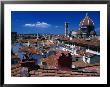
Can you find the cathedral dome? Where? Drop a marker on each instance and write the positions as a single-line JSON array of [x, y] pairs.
[[86, 22]]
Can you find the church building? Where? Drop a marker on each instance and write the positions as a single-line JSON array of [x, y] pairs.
[[86, 28]]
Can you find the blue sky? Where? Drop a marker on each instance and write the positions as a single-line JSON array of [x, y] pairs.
[[25, 22]]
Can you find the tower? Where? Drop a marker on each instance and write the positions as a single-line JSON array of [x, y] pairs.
[[66, 28], [37, 36]]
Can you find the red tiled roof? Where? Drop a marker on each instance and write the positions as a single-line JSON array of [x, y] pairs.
[[93, 42], [29, 49], [32, 40]]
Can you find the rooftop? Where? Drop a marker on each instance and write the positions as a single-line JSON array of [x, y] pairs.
[[92, 42]]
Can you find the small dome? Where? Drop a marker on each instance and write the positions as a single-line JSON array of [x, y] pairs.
[[86, 21]]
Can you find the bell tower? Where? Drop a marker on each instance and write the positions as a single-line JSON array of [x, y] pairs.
[[66, 28]]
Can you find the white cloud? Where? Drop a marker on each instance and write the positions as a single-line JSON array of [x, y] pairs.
[[57, 27], [42, 25], [38, 25], [29, 25]]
